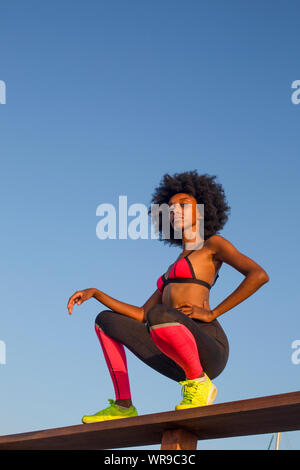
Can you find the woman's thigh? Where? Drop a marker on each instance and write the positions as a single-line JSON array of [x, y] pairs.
[[213, 354], [136, 337]]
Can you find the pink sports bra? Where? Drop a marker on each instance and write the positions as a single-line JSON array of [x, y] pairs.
[[182, 271]]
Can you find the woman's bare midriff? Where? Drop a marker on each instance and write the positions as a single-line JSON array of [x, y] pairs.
[[205, 268], [175, 294]]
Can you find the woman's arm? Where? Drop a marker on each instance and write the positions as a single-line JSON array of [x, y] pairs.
[[255, 275], [121, 307], [138, 313]]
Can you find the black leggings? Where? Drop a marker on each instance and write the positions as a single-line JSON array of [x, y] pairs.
[[210, 338]]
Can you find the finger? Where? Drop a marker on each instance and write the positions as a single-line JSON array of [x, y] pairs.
[[76, 295], [81, 299], [186, 311], [72, 302], [72, 296]]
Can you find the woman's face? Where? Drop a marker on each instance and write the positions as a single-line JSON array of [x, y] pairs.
[[183, 211]]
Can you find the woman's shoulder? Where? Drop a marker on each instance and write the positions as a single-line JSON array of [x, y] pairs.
[[215, 242]]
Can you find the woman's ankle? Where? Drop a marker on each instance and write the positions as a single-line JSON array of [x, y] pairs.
[[125, 402]]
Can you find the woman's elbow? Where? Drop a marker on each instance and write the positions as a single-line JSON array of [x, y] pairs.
[[263, 276]]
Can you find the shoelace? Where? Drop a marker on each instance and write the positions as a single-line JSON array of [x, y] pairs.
[[189, 390], [106, 410]]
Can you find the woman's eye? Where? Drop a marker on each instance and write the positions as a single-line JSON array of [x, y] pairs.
[[171, 208]]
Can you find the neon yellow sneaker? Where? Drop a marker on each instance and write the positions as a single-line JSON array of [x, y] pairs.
[[196, 393], [111, 412]]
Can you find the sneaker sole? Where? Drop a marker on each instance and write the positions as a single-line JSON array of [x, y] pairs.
[[212, 395], [99, 420]]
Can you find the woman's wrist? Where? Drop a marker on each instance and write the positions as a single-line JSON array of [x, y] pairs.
[[96, 293]]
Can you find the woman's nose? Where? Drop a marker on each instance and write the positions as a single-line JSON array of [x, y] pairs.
[[177, 209]]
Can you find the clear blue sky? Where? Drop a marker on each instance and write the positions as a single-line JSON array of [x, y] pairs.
[[103, 98]]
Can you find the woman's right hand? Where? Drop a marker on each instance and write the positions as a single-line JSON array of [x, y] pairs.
[[79, 297]]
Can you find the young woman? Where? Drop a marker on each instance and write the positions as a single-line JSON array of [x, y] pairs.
[[176, 332]]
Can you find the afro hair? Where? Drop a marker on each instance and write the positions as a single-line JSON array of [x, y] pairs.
[[204, 189]]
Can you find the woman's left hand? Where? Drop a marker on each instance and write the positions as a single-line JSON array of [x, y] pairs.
[[196, 312]]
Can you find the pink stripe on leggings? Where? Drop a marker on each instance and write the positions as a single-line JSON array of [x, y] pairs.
[[115, 358], [177, 342]]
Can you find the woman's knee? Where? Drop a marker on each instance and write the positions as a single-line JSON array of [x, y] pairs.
[[103, 318]]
